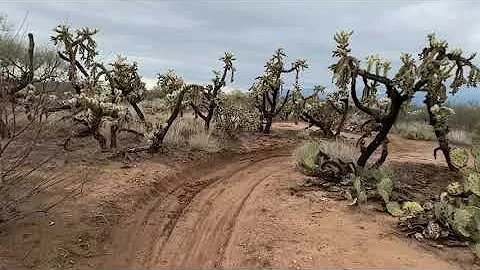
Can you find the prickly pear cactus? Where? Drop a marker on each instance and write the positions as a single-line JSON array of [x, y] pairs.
[[459, 157], [476, 157], [444, 212], [466, 222], [385, 188], [472, 183], [395, 209], [412, 207], [359, 190], [473, 200], [455, 189]]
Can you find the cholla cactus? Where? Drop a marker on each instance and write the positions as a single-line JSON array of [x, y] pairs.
[[234, 114], [204, 99], [125, 78], [79, 42], [267, 91], [327, 114], [102, 93], [436, 67], [174, 90]]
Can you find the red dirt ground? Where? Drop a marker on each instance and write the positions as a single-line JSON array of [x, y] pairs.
[[223, 210]]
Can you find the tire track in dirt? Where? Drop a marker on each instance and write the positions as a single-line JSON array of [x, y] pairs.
[[144, 236], [201, 236]]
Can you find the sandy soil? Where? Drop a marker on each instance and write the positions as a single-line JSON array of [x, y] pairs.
[[227, 211]]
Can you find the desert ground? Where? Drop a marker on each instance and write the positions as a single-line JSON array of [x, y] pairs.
[[228, 208]]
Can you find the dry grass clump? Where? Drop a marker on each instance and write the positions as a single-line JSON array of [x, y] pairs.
[[425, 132]]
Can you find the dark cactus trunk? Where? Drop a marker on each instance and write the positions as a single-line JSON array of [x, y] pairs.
[[268, 124], [441, 134]]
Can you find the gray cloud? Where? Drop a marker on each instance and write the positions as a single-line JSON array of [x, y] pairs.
[[190, 36]]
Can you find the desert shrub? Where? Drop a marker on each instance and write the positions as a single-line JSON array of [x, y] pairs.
[[190, 132], [415, 131], [182, 130], [235, 114], [425, 132], [152, 94], [460, 137], [153, 106]]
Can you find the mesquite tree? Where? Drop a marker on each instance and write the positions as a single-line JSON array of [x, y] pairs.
[[268, 89], [206, 98], [436, 67]]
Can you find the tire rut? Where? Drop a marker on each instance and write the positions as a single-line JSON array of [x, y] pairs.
[[146, 233], [201, 236]]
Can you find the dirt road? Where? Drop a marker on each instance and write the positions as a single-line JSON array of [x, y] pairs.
[[239, 213]]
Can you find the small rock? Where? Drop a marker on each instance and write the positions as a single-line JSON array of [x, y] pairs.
[[419, 236], [51, 223], [346, 182], [428, 206], [433, 230], [334, 189], [327, 184]]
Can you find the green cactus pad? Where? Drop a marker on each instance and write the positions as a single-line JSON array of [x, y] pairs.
[[466, 222], [412, 207], [455, 189], [476, 157], [459, 157], [473, 200], [385, 188], [394, 209], [475, 247], [361, 193], [472, 183], [444, 212]]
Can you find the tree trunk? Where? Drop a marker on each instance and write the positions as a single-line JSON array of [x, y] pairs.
[[100, 139], [113, 136], [377, 141], [387, 125], [441, 131], [4, 130], [138, 111], [268, 124], [344, 118], [160, 134], [207, 122]]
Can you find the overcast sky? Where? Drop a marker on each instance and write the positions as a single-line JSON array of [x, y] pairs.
[[190, 36]]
